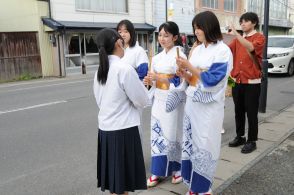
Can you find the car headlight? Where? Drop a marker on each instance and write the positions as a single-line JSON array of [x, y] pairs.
[[278, 55]]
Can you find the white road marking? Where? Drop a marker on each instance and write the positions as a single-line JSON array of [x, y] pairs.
[[57, 84], [32, 107]]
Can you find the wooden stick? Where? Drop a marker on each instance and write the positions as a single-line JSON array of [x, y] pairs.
[[150, 60]]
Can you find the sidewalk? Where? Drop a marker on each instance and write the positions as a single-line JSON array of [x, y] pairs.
[[272, 175], [232, 164]]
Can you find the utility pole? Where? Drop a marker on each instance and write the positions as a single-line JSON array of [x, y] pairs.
[[261, 14], [166, 9], [263, 92]]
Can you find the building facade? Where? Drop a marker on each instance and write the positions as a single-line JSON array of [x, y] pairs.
[[75, 23], [291, 16], [178, 11], [279, 21], [227, 11], [24, 46]]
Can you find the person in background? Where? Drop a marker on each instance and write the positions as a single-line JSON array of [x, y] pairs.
[[135, 55], [166, 127], [119, 95], [247, 52], [207, 72]]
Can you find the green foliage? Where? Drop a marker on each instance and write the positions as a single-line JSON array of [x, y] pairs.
[[25, 77], [231, 82]]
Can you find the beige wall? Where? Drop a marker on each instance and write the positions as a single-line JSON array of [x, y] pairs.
[[46, 49], [18, 16], [25, 16]]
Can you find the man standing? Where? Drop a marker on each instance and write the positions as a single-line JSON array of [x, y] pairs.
[[247, 72]]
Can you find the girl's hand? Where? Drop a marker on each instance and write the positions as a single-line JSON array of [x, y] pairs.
[[182, 63], [232, 30], [152, 76], [147, 81], [180, 72]]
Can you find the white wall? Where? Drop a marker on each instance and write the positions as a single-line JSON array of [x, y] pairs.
[[183, 14], [65, 10]]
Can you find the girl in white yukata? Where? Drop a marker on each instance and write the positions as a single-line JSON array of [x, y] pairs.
[[166, 127], [135, 55], [206, 72]]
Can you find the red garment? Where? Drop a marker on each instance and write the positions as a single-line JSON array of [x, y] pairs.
[[244, 70]]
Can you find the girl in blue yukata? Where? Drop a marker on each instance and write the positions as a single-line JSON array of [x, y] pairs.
[[166, 127], [207, 73]]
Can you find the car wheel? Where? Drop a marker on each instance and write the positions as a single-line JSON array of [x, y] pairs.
[[291, 68]]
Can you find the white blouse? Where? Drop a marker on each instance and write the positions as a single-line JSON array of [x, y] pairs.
[[120, 98]]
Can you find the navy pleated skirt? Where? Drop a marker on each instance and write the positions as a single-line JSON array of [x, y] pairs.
[[120, 162]]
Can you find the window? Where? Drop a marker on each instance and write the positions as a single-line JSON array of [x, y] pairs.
[[210, 3], [255, 6], [278, 8], [280, 42], [115, 6], [230, 5], [142, 39]]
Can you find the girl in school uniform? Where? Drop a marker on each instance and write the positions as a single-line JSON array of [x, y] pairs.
[[207, 73], [135, 55], [166, 127], [119, 95]]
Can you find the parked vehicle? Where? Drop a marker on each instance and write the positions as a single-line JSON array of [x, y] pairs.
[[280, 54]]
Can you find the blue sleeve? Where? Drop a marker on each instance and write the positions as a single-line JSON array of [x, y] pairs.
[[214, 75], [175, 80], [142, 70]]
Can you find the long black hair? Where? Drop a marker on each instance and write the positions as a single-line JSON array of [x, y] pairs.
[[172, 28], [130, 28], [208, 22], [106, 39]]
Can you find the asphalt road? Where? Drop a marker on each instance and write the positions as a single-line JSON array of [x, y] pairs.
[[48, 133]]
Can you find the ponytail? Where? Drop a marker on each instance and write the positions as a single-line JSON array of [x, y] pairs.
[[106, 39], [179, 41], [103, 66]]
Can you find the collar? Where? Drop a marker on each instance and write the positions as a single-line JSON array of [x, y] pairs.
[[250, 34], [169, 51], [112, 58]]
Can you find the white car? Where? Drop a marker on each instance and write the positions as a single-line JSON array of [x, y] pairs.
[[280, 54]]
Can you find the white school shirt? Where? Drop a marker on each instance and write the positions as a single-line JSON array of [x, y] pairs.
[[120, 98], [135, 56]]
